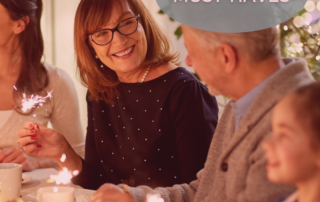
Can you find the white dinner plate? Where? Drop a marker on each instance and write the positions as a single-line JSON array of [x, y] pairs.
[[25, 178]]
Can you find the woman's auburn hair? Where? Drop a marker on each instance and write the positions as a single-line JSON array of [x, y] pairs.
[[33, 78], [91, 16]]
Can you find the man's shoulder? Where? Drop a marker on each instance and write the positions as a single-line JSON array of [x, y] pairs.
[[294, 75]]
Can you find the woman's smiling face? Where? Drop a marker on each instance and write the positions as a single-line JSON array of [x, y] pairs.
[[124, 53]]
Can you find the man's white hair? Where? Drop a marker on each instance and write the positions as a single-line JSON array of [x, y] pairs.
[[256, 46]]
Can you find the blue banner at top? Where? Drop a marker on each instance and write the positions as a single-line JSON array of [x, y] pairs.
[[231, 16]]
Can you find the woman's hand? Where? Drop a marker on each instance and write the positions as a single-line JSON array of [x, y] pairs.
[[41, 141], [15, 155], [110, 193]]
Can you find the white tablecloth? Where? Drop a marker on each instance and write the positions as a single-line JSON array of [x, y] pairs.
[[39, 179]]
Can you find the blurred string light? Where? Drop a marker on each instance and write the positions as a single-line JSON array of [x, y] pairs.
[[300, 37], [318, 5], [298, 21], [295, 48], [310, 6], [307, 17]]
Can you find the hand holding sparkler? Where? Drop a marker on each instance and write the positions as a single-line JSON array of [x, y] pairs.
[[41, 141]]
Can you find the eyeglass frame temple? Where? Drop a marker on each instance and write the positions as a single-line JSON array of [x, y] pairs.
[[114, 30]]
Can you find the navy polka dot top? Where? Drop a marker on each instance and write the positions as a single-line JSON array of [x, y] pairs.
[[156, 134]]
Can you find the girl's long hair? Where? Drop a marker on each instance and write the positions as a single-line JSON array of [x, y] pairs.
[[33, 75]]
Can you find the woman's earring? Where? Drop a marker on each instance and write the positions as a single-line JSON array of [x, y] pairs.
[[97, 57], [101, 66]]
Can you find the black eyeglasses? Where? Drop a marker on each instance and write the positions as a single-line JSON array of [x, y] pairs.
[[125, 27]]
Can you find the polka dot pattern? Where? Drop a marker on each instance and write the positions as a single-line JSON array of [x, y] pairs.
[[136, 135]]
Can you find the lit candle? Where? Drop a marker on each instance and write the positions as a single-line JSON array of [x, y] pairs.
[[55, 194]]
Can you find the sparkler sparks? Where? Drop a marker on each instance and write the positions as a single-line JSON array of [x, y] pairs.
[[55, 190], [75, 173], [63, 158], [30, 103], [65, 176]]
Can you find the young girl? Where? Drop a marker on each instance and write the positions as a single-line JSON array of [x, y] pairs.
[[293, 151]]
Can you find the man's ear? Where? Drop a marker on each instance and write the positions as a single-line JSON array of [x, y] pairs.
[[229, 57], [21, 24]]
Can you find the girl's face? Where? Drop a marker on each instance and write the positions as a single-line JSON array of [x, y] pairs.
[[124, 53], [291, 159]]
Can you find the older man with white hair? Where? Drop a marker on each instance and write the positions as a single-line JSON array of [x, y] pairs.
[[248, 68]]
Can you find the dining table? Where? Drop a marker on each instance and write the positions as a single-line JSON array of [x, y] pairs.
[[40, 178]]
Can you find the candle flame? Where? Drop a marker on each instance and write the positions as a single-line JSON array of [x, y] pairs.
[[154, 198], [30, 103]]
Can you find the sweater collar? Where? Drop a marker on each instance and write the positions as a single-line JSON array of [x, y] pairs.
[[294, 75]]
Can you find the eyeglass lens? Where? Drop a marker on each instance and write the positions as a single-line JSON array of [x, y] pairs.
[[126, 27]]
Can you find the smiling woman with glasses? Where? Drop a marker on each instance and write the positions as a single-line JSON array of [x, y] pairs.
[[149, 121]]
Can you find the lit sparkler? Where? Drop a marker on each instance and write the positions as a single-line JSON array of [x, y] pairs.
[[65, 176], [30, 103]]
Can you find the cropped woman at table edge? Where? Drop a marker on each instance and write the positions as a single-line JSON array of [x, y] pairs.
[[149, 121], [22, 71]]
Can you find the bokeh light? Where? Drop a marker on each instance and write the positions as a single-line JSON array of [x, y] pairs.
[[298, 21], [307, 18], [318, 5], [310, 6], [311, 43]]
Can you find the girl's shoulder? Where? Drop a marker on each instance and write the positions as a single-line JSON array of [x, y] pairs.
[[61, 84], [58, 77], [55, 72]]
